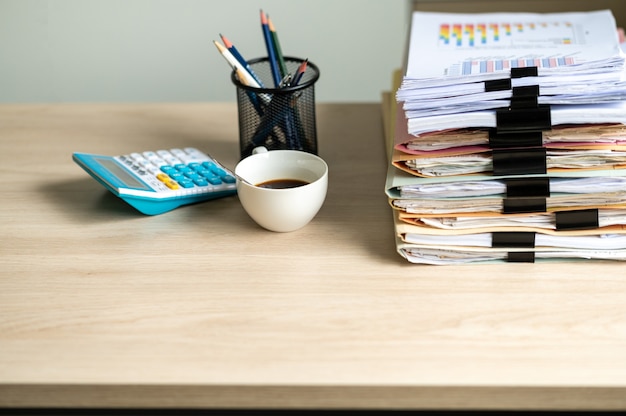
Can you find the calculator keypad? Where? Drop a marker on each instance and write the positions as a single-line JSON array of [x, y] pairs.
[[188, 170]]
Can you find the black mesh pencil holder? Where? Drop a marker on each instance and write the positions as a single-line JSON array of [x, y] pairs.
[[277, 118]]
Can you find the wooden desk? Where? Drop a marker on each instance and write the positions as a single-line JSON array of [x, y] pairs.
[[103, 307]]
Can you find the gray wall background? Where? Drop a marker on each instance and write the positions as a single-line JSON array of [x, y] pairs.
[[162, 50]]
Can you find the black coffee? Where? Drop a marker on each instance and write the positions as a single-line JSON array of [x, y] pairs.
[[282, 183]]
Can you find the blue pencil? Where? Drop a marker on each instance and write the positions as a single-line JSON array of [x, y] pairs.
[[269, 44], [229, 45]]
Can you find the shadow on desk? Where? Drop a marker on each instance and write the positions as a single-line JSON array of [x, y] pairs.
[[86, 201]]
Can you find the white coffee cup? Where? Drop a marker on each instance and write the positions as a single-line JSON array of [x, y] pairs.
[[286, 209]]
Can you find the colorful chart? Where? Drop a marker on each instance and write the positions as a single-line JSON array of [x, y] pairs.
[[493, 65], [469, 35]]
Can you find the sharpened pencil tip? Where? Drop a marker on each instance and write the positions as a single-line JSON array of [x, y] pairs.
[[263, 18], [219, 46], [227, 43]]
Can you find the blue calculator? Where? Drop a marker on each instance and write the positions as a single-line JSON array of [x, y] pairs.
[[155, 182]]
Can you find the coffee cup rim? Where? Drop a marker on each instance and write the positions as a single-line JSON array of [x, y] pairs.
[[309, 156]]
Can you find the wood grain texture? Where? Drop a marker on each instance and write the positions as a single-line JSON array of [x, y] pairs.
[[101, 306]]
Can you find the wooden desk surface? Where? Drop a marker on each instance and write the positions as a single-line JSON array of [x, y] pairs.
[[101, 306]]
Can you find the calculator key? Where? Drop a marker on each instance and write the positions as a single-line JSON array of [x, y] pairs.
[[178, 153], [153, 169], [192, 175], [229, 179], [154, 158], [186, 183], [195, 153], [201, 182], [208, 165], [173, 185], [177, 176], [214, 180], [218, 171], [170, 183], [144, 163], [190, 157], [168, 157]]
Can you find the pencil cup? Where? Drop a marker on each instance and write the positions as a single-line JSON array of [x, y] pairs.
[[278, 118]]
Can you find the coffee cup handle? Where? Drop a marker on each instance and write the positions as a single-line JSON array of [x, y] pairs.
[[260, 149]]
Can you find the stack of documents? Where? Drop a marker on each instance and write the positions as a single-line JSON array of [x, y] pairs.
[[508, 139]]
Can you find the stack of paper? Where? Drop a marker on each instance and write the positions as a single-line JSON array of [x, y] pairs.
[[509, 139]]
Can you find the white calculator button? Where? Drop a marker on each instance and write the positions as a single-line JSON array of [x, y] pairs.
[[195, 154], [185, 156], [171, 160], [153, 169], [144, 162], [154, 158], [178, 153]]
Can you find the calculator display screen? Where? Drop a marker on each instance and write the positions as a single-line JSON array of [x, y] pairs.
[[121, 174]]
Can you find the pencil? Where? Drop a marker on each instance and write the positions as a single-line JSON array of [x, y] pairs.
[[244, 77], [300, 72], [234, 63], [270, 49], [277, 49], [233, 50]]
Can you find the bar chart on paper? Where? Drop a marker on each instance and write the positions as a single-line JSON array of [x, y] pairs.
[[461, 45], [484, 66], [508, 35]]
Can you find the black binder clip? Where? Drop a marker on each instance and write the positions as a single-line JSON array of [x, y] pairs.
[[584, 219], [521, 257], [514, 239], [524, 195], [523, 119], [523, 205], [498, 85], [527, 187], [525, 97], [519, 161], [529, 71]]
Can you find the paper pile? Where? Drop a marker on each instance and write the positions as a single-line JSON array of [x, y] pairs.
[[509, 139]]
